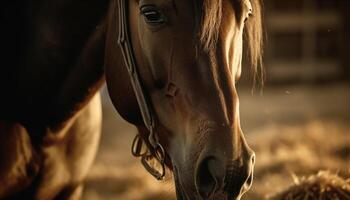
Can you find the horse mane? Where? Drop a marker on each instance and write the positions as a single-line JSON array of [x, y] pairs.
[[253, 32]]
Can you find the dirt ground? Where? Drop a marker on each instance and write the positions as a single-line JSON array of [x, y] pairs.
[[295, 131]]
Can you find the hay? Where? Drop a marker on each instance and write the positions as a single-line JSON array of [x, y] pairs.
[[323, 186]]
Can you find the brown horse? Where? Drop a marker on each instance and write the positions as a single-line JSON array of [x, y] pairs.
[[186, 57]]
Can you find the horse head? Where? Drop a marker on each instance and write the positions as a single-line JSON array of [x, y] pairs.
[[189, 58]]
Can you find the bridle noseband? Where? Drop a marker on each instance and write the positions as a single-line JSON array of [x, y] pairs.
[[157, 150]]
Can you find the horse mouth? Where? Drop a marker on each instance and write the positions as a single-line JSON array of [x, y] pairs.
[[183, 193]]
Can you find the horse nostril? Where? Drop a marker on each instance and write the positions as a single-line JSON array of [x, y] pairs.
[[208, 177], [239, 177]]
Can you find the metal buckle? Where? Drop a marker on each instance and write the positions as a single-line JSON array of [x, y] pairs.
[[147, 157], [159, 174], [136, 148], [160, 153]]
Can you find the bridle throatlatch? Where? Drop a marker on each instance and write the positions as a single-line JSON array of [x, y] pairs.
[[157, 152]]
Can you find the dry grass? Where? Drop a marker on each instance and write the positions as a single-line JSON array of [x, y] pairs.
[[285, 152], [323, 186]]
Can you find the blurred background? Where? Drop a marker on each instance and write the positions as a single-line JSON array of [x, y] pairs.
[[298, 124]]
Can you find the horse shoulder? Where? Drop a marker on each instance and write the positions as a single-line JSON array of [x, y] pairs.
[[67, 161], [55, 169]]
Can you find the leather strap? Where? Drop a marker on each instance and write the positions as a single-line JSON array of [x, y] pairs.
[[125, 46]]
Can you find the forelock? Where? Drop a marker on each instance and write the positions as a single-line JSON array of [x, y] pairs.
[[211, 16]]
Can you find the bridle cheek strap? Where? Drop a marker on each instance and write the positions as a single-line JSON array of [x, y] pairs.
[[125, 46]]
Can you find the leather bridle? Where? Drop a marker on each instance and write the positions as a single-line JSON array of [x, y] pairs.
[[156, 151]]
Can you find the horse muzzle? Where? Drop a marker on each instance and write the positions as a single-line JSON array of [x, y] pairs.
[[217, 178]]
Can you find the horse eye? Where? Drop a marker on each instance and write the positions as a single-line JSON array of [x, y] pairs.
[[153, 15]]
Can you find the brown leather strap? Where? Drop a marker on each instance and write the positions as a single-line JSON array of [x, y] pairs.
[[129, 59], [125, 45]]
